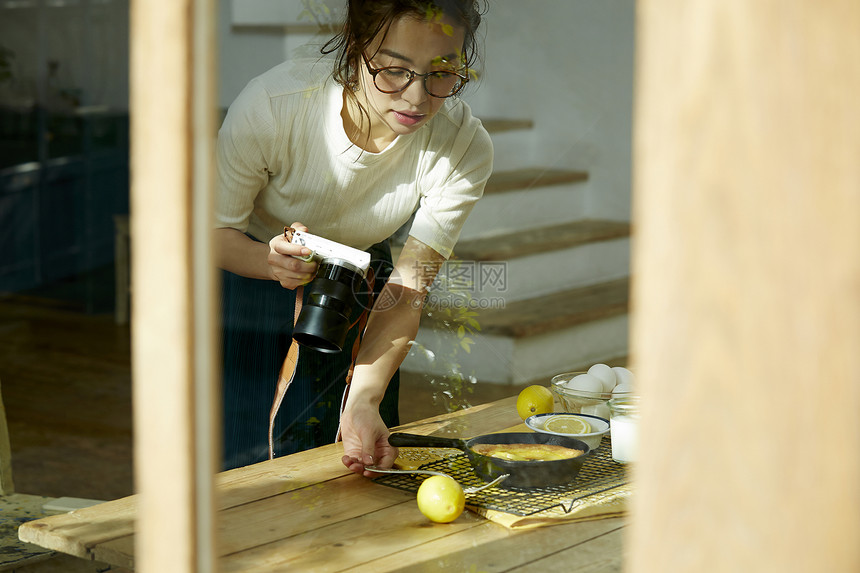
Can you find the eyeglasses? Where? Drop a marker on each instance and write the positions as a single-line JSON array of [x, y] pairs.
[[394, 79]]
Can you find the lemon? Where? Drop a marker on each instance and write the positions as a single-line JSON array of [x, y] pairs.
[[567, 425], [441, 499], [533, 400]]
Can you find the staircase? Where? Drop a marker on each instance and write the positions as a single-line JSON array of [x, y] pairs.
[[534, 287]]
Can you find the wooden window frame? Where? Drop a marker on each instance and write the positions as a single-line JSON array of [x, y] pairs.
[[174, 316], [746, 172]]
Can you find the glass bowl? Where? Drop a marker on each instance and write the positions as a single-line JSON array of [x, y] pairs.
[[581, 402]]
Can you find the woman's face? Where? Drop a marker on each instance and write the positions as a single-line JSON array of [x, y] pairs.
[[418, 45]]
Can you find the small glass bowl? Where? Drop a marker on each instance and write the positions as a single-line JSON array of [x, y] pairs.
[[580, 402]]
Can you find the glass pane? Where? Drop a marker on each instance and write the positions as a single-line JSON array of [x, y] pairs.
[[64, 184]]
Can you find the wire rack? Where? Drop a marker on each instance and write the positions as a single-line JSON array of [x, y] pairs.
[[599, 475]]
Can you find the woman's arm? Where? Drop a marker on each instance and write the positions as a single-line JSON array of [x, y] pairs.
[[276, 261], [390, 330]]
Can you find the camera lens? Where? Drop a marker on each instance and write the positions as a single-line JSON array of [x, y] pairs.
[[324, 319]]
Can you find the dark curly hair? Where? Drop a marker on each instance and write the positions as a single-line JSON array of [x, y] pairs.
[[366, 19]]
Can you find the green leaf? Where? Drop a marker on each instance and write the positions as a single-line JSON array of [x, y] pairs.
[[461, 332]]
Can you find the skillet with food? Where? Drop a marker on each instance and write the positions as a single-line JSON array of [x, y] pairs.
[[493, 455]]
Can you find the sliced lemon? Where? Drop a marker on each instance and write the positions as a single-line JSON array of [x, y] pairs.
[[567, 425]]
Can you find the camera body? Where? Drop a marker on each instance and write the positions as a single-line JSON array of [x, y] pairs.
[[323, 322], [323, 249]]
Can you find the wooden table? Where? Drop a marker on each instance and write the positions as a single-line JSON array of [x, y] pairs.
[[306, 512]]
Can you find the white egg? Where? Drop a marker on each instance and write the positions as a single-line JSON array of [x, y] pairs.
[[623, 375], [600, 410], [623, 387], [585, 383], [605, 374]]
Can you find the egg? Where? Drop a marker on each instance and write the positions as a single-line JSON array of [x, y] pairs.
[[621, 388], [585, 383], [623, 375], [605, 374], [600, 410]]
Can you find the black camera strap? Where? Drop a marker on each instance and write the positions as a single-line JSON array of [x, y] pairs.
[[288, 368]]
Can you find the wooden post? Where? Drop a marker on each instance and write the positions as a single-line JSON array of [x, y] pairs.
[[746, 296], [7, 485], [173, 318]]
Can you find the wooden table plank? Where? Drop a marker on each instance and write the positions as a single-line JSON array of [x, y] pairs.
[[361, 540], [597, 555], [307, 512], [118, 552], [304, 511], [491, 547], [475, 421], [278, 476], [77, 532]]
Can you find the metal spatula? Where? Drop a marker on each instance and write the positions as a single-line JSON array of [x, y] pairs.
[[466, 490]]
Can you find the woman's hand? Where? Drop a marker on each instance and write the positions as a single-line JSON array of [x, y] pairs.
[[389, 331], [284, 267], [365, 438]]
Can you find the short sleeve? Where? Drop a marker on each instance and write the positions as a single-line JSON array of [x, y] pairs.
[[245, 141], [454, 184]]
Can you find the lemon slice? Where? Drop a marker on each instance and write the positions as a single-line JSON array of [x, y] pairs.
[[567, 425]]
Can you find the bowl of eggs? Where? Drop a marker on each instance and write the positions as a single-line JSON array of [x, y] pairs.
[[588, 392]]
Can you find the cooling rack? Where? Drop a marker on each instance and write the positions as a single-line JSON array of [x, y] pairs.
[[600, 475]]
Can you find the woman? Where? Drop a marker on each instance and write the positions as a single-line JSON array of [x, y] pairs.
[[349, 155]]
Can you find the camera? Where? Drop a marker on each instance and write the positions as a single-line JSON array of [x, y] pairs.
[[323, 322]]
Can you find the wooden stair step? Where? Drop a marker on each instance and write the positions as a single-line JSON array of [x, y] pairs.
[[551, 312], [540, 240], [558, 310], [531, 177], [499, 125]]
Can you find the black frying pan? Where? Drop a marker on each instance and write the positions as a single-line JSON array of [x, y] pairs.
[[521, 473]]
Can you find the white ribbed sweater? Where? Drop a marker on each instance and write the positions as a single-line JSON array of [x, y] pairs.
[[283, 156]]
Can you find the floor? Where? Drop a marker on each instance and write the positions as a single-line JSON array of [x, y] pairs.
[[66, 383]]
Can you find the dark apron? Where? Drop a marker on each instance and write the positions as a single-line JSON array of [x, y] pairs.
[[257, 326]]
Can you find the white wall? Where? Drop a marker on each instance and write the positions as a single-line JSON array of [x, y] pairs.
[[244, 53], [568, 65], [255, 35]]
